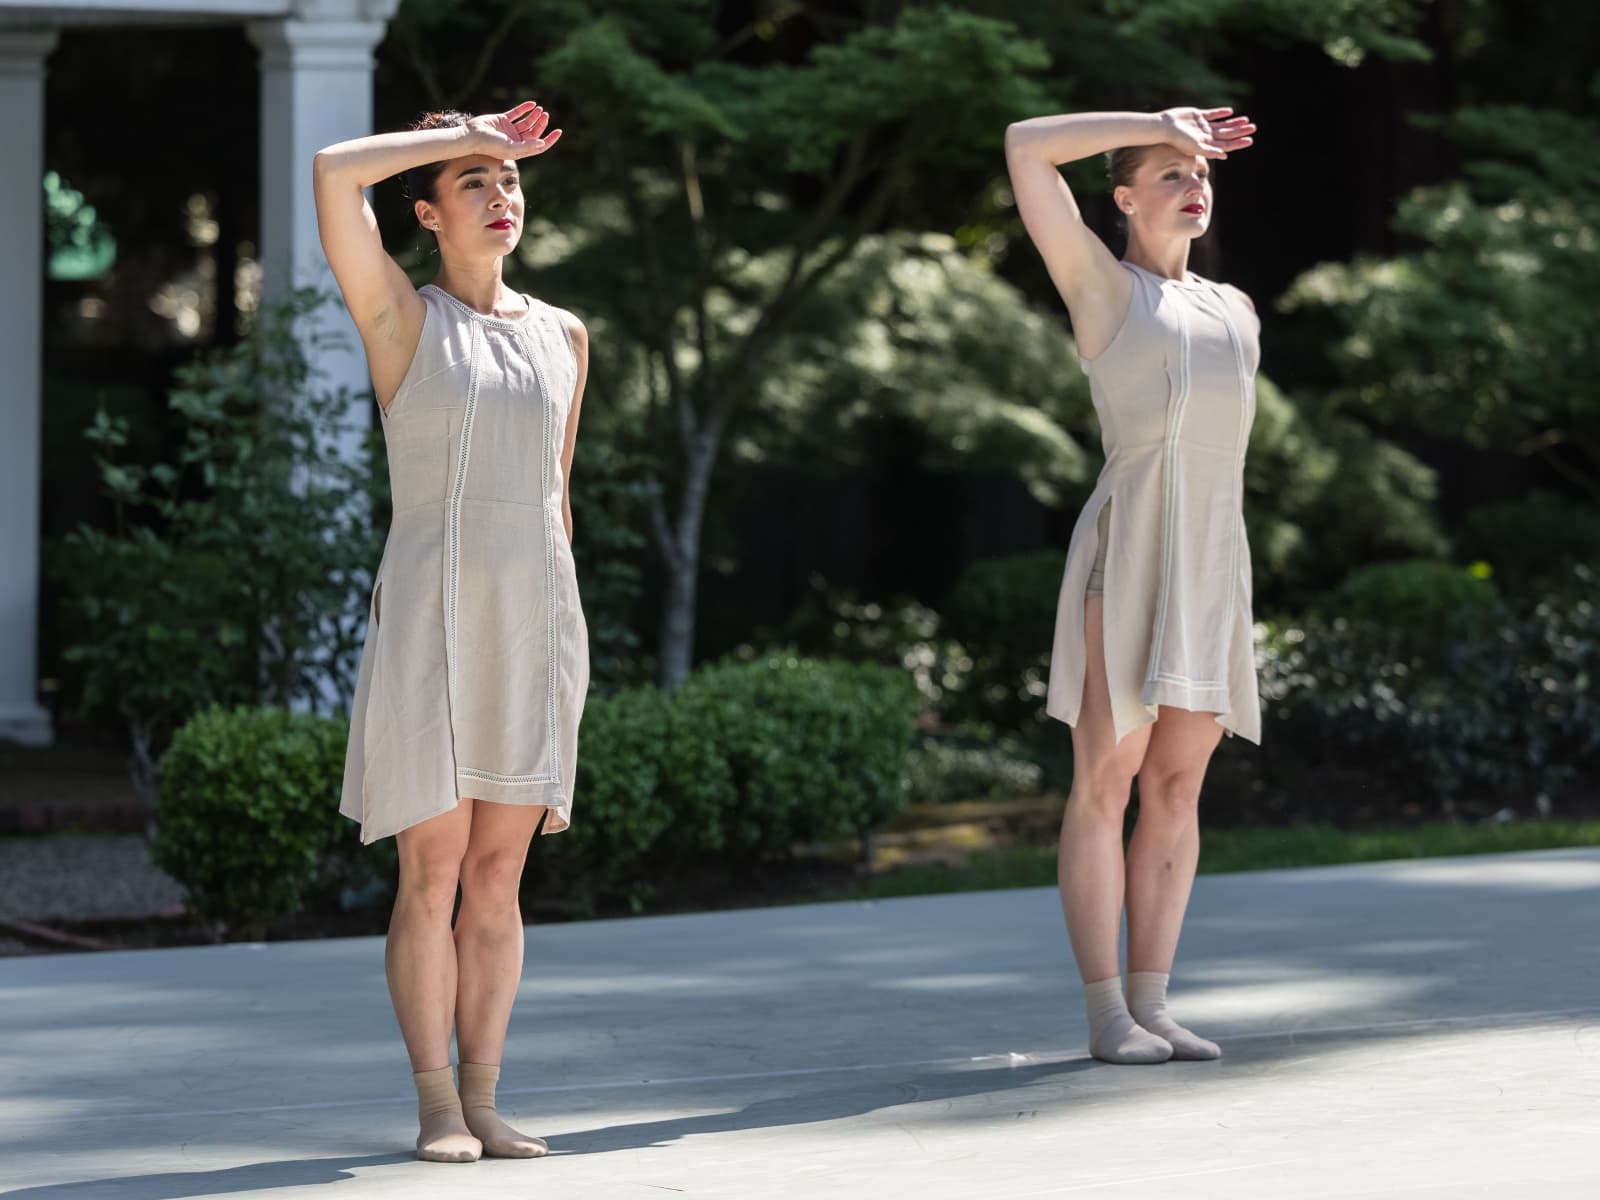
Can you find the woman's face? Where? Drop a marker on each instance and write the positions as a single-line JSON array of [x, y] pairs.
[[1170, 195], [476, 206]]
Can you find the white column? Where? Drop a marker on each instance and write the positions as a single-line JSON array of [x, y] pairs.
[[316, 89], [22, 55]]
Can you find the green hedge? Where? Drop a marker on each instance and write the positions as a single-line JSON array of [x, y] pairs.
[[1507, 712], [247, 811], [1418, 595], [745, 760]]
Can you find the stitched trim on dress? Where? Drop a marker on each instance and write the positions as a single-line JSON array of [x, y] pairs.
[[1170, 468], [1197, 684], [1241, 443], [463, 457], [554, 634], [491, 777]]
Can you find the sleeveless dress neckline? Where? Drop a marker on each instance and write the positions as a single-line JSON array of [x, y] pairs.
[[1197, 282], [468, 310]]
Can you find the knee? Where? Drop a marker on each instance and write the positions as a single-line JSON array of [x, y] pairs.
[[492, 878], [1173, 795], [1100, 799], [430, 879]]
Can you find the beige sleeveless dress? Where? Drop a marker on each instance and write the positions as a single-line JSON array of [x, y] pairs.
[[476, 660], [1175, 395]]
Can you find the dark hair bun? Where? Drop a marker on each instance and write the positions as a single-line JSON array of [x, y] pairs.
[[417, 183]]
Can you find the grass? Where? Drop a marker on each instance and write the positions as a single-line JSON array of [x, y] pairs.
[[1226, 850]]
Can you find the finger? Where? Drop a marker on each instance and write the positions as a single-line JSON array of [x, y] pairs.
[[1212, 114], [516, 113], [529, 117], [538, 127]]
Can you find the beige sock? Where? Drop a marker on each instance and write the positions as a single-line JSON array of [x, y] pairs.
[[1114, 1036], [477, 1103], [1147, 998], [444, 1136]]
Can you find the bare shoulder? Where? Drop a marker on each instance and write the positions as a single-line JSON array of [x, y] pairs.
[[576, 329]]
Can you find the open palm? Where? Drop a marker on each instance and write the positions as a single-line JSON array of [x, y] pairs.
[[516, 133], [1211, 132]]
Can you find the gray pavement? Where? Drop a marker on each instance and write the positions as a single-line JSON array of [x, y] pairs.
[[1421, 1029]]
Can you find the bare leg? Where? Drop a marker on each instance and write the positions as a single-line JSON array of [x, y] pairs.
[[420, 961], [420, 956], [1089, 865], [489, 939], [1161, 864]]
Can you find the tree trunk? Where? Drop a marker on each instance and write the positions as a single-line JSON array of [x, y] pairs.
[[683, 562]]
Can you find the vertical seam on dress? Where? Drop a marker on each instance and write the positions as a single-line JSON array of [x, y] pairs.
[[463, 457], [1240, 443], [1174, 430], [553, 639]]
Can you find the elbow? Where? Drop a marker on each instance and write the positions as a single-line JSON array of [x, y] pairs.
[[1016, 140]]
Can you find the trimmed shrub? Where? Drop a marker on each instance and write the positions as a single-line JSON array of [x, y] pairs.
[[1004, 611], [248, 811], [1533, 543], [1418, 595], [813, 749], [1508, 712]]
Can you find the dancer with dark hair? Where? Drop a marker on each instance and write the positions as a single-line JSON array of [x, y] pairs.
[[1154, 656], [464, 727]]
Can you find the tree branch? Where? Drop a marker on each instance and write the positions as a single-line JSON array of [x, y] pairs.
[[491, 46], [655, 278], [419, 64]]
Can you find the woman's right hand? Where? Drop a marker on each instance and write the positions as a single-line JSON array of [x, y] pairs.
[[516, 133], [1211, 132]]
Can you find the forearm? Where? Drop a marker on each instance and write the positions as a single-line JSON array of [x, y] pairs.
[[369, 160], [1071, 136]]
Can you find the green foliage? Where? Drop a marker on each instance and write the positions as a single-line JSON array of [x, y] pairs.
[[610, 492], [1532, 543], [904, 634], [1505, 708], [238, 571], [915, 326], [745, 760], [941, 772], [248, 811], [1323, 494], [816, 750], [1003, 611], [1420, 596], [1346, 29], [1485, 334]]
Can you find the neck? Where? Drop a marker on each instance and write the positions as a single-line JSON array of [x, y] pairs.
[[1167, 257], [478, 285]]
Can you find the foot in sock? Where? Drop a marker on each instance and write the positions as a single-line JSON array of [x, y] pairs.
[[444, 1136], [1147, 999], [477, 1103], [1114, 1036]]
